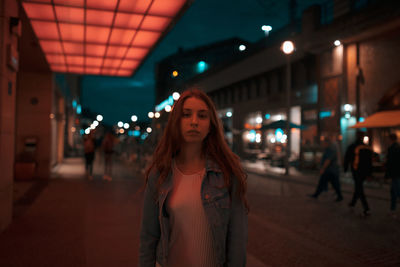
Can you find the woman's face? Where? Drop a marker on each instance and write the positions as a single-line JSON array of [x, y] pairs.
[[195, 120]]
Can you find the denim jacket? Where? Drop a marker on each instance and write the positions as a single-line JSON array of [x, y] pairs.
[[225, 212]]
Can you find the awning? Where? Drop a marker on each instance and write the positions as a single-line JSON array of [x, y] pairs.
[[380, 119], [100, 37]]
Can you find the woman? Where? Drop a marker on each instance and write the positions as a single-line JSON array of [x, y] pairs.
[[195, 208]]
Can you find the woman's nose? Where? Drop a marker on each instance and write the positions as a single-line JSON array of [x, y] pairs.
[[194, 119]]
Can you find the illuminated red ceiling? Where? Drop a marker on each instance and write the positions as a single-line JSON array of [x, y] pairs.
[[99, 37]]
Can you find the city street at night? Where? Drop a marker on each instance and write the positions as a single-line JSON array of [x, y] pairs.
[[269, 131], [71, 221]]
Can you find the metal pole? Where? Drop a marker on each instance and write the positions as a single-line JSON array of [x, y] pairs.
[[288, 119]]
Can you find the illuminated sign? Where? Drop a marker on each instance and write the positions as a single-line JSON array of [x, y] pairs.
[[169, 101]]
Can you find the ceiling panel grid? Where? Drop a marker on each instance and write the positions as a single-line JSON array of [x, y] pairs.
[[99, 37]]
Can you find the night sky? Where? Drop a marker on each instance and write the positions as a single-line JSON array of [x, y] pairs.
[[206, 21]]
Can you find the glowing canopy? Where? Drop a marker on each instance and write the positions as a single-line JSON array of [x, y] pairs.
[[382, 119], [99, 37]]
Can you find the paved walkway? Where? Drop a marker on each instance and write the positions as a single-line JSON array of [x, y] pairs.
[[376, 188], [70, 221]]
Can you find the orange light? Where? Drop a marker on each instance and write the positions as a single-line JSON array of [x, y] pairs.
[[175, 73], [55, 59], [121, 36], [101, 37], [95, 50], [145, 38], [73, 48], [69, 14], [112, 63], [75, 60], [154, 23], [94, 61], [126, 20], [71, 32], [116, 51], [136, 53], [76, 3], [96, 17], [97, 34], [39, 11], [134, 6], [51, 47]]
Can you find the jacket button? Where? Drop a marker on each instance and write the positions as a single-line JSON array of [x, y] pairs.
[[206, 196]]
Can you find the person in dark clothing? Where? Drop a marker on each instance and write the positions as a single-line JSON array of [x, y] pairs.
[[359, 157], [89, 147], [108, 148], [329, 171], [393, 171]]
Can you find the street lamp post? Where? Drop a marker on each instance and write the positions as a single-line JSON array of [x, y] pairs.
[[288, 48]]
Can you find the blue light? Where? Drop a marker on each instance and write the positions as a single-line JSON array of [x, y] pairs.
[[362, 119], [130, 133], [144, 136], [202, 66], [279, 134], [79, 109], [267, 116], [325, 114], [136, 133], [251, 136], [74, 103], [169, 101], [82, 132]]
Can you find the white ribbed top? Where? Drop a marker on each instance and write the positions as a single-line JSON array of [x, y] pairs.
[[191, 241]]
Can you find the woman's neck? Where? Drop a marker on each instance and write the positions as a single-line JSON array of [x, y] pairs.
[[190, 158]]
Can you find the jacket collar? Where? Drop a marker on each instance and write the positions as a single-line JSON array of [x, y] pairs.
[[211, 165]]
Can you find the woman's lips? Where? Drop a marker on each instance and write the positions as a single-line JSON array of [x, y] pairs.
[[193, 132]]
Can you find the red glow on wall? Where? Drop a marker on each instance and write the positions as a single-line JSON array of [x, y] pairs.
[[99, 37]]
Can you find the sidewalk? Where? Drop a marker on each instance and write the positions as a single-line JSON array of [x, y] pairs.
[[72, 222], [259, 167]]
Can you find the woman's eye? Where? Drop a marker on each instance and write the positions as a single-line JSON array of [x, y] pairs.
[[186, 115], [203, 116]]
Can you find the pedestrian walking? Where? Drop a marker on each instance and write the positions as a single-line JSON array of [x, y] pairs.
[[393, 172], [89, 148], [108, 148], [195, 208], [329, 171], [359, 156]]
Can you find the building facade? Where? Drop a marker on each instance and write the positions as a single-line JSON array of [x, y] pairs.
[[344, 64]]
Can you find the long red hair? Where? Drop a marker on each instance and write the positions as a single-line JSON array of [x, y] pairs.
[[214, 146]]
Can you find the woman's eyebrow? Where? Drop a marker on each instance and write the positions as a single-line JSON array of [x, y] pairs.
[[200, 110]]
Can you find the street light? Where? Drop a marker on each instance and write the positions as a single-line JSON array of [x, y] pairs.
[[288, 48], [176, 96], [134, 118], [151, 114], [266, 29]]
